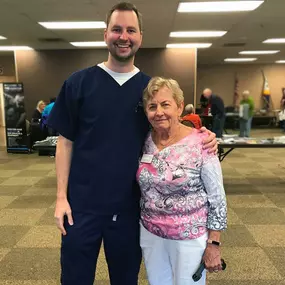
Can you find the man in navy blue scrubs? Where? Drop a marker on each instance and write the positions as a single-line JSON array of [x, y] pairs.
[[97, 158]]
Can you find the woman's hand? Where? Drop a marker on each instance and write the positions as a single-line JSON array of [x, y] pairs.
[[212, 258]]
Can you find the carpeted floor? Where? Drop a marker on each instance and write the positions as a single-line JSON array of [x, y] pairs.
[[253, 245]]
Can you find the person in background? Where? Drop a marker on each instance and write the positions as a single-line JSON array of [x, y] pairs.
[[97, 157], [205, 105], [191, 116], [49, 107], [217, 111], [246, 114], [37, 114], [183, 204], [37, 132], [45, 115], [282, 111], [282, 102]]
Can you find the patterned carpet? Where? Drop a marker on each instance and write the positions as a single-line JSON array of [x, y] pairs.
[[253, 245]]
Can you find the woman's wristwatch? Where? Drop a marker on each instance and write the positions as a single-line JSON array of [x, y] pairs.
[[214, 242]]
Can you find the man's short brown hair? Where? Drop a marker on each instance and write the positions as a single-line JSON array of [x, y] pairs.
[[124, 6]]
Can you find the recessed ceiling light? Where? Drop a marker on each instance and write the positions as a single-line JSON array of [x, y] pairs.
[[259, 52], [197, 34], [89, 44], [73, 25], [11, 48], [3, 38], [280, 61], [239, 59], [189, 45], [218, 6], [274, 41]]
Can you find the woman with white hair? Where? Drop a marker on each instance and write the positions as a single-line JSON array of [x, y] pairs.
[[183, 202], [37, 114], [245, 114], [192, 117]]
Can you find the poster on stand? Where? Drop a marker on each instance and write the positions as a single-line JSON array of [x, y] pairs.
[[15, 118]]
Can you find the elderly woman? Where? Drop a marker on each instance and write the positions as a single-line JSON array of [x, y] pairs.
[[183, 203], [192, 117]]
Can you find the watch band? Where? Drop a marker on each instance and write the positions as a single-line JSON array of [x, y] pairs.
[[214, 242]]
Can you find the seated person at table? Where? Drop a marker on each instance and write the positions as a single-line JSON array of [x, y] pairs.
[[192, 117], [45, 116], [37, 114], [37, 134], [183, 202]]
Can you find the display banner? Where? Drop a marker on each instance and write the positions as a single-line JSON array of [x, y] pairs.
[[15, 118]]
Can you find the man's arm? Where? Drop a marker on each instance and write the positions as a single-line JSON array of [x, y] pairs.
[[62, 162], [210, 142], [251, 105]]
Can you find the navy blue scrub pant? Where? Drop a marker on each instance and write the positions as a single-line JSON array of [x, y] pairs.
[[218, 126], [80, 248]]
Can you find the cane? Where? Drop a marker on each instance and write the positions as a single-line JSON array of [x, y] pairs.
[[198, 274]]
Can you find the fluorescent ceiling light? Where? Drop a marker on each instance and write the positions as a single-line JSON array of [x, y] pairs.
[[197, 34], [259, 52], [73, 25], [239, 59], [280, 61], [218, 6], [89, 44], [189, 45], [275, 41], [11, 48], [3, 38]]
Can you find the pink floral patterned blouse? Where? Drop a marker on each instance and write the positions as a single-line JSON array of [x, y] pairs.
[[182, 190]]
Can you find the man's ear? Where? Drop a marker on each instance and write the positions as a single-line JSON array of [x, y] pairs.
[[141, 38], [105, 34]]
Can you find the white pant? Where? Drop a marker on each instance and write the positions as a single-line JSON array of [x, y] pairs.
[[172, 262]]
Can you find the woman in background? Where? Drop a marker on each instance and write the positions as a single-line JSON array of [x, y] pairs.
[[36, 132], [37, 114], [192, 117], [183, 203]]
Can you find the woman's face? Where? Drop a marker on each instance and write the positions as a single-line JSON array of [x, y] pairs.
[[42, 106], [162, 110]]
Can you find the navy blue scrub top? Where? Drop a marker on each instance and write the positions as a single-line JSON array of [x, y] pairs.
[[108, 126]]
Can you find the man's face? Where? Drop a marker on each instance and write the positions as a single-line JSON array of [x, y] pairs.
[[245, 96], [123, 36], [207, 93]]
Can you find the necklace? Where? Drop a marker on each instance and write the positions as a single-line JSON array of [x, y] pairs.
[[170, 140]]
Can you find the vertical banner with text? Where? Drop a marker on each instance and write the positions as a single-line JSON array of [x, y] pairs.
[[15, 118]]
